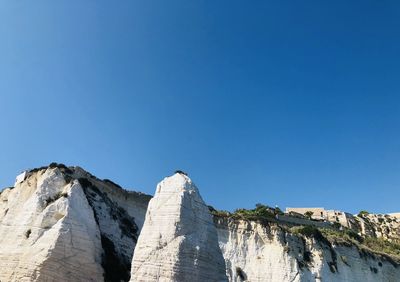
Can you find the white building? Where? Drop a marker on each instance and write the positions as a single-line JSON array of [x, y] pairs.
[[325, 215]]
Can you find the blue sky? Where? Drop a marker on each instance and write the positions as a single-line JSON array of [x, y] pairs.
[[289, 103]]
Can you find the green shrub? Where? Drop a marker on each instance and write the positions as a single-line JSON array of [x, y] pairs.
[[366, 245], [218, 212], [363, 213], [383, 246], [279, 211], [38, 169], [308, 214], [261, 212], [56, 197], [53, 165], [307, 230], [62, 167], [354, 235]]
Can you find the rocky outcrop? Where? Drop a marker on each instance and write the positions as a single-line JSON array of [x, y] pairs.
[[63, 224], [267, 252], [178, 241], [380, 226], [48, 231]]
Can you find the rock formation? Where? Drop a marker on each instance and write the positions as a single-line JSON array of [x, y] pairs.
[[63, 224], [178, 241], [378, 225], [266, 252]]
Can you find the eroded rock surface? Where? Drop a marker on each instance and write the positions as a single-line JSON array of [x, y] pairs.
[[266, 252], [48, 231], [63, 224], [178, 241]]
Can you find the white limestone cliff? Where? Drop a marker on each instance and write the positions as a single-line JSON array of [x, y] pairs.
[[178, 241], [62, 224], [48, 236], [266, 252]]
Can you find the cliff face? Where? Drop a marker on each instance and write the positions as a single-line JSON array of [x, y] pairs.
[[378, 225], [64, 224], [45, 235], [267, 252], [178, 241]]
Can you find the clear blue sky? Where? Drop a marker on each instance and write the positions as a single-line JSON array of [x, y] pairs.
[[289, 103]]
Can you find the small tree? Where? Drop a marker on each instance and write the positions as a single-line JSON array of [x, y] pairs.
[[278, 211], [308, 214], [363, 213]]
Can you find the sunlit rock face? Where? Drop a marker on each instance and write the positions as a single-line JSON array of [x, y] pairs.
[[266, 252], [178, 241], [63, 224], [48, 231]]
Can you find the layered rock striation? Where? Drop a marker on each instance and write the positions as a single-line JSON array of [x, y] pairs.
[[63, 224], [256, 251], [48, 231], [179, 240]]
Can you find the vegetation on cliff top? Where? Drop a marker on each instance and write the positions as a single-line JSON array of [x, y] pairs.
[[334, 235], [365, 244], [61, 166], [259, 213]]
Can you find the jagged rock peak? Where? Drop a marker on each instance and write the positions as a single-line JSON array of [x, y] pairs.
[[178, 241], [63, 224], [175, 183]]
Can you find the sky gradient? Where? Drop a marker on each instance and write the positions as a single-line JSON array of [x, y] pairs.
[[288, 103]]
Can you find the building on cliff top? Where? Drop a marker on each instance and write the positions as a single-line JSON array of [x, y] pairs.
[[321, 214]]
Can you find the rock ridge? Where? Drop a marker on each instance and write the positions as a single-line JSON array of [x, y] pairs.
[[62, 223], [72, 227]]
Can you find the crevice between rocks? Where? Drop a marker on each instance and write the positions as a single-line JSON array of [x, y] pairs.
[[116, 266]]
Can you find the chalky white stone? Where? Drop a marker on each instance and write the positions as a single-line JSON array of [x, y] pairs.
[[260, 253], [55, 228], [179, 240], [48, 241], [51, 230]]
